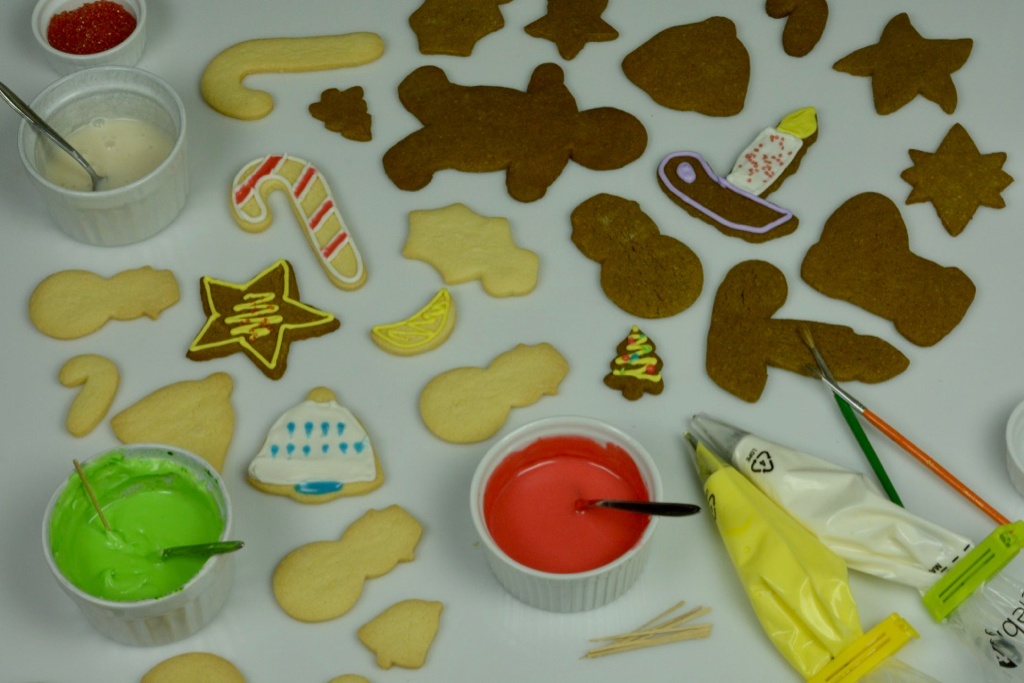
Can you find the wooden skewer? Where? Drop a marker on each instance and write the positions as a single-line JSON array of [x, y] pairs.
[[92, 496], [650, 628], [688, 633]]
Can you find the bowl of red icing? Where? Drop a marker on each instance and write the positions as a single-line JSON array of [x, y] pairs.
[[541, 544], [81, 34]]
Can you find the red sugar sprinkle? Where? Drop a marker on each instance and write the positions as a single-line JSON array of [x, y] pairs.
[[93, 27]]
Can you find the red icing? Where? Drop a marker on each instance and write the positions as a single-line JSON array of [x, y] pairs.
[[530, 504], [320, 213], [265, 169], [304, 180], [93, 27]]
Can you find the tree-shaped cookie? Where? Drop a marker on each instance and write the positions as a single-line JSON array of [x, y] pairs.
[[637, 369]]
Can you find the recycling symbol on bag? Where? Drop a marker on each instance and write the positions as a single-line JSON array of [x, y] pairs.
[[762, 463]]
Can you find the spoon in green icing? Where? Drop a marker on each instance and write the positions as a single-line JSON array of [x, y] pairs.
[[201, 549]]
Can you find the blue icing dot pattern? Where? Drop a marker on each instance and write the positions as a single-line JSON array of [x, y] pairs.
[[324, 428], [358, 446], [305, 449], [341, 428], [291, 427], [274, 448], [290, 448], [323, 448]]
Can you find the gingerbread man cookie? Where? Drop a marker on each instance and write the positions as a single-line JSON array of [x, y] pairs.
[[531, 135]]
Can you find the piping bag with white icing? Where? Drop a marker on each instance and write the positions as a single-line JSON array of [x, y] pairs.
[[843, 508]]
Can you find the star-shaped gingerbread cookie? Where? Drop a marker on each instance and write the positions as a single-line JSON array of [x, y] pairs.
[[571, 24], [903, 65], [957, 179], [260, 318]]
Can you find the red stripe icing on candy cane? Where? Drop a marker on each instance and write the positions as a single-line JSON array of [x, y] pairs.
[[267, 167], [304, 181], [334, 244], [270, 168], [318, 216]]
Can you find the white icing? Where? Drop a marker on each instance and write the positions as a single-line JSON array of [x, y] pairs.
[[764, 160], [315, 442]]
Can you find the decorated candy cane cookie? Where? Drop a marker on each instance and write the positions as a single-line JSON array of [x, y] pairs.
[[313, 204]]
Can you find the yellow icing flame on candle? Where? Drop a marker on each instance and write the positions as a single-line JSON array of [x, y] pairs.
[[802, 123]]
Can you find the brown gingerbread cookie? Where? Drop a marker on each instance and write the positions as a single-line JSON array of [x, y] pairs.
[[735, 204], [637, 369], [744, 339], [453, 27], [957, 179], [699, 67], [903, 65], [260, 318], [531, 135], [571, 24], [864, 257], [643, 272], [345, 112], [805, 22]]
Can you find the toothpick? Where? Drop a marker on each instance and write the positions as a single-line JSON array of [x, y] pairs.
[[92, 496]]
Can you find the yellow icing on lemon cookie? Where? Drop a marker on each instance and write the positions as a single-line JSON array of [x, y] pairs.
[[426, 329]]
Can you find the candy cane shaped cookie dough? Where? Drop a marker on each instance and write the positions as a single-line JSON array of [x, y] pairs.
[[313, 204], [222, 79]]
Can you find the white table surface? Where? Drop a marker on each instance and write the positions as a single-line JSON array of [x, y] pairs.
[[953, 400]]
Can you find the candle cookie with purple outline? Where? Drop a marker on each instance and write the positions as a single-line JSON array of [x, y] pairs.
[[315, 452], [735, 205], [314, 207]]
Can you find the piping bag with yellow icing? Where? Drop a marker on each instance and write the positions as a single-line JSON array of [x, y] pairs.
[[797, 587]]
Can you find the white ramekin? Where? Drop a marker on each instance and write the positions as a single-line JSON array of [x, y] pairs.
[[1015, 447], [125, 214], [579, 591], [163, 620], [126, 53]]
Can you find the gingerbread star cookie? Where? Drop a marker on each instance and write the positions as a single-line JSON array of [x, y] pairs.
[[957, 179], [571, 24], [345, 112], [903, 65], [260, 318]]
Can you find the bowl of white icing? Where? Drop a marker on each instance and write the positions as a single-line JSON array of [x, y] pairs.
[[130, 126]]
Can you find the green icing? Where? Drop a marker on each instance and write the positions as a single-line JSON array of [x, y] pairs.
[[150, 503]]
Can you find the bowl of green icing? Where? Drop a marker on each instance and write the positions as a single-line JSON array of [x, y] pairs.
[[152, 497]]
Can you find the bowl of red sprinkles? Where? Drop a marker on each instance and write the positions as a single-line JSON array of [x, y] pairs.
[[80, 34]]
